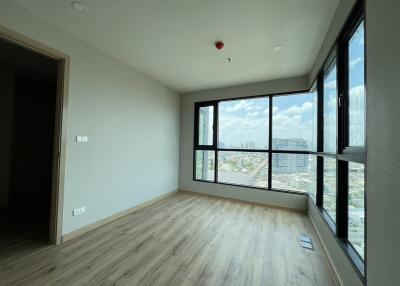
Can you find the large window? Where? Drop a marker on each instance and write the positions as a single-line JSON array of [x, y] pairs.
[[243, 168], [356, 87], [254, 151], [341, 140], [294, 122], [353, 141], [206, 121], [329, 189], [205, 165], [243, 124], [356, 207], [330, 109], [295, 172]]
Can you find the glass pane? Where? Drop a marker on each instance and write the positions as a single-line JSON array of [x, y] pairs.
[[206, 120], [295, 172], [205, 165], [330, 110], [243, 124], [356, 88], [243, 168], [329, 200], [314, 142], [293, 121], [356, 231]]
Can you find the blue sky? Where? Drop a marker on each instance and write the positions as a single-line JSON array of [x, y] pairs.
[[247, 120], [241, 121], [357, 89]]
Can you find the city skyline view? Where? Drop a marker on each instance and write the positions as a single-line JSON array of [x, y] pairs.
[[247, 120]]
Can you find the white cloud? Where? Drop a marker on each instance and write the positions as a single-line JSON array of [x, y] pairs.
[[305, 107], [331, 84], [357, 91], [356, 61], [332, 102], [235, 130], [245, 105], [241, 105], [291, 126], [253, 114]]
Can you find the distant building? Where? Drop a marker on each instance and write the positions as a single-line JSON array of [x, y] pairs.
[[289, 163], [290, 144], [250, 145]]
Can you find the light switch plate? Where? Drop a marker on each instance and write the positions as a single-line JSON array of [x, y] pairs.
[[82, 139], [78, 211]]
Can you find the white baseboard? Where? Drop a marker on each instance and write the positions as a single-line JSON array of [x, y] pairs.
[[246, 201]]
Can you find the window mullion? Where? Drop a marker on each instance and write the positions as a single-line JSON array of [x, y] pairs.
[[320, 140], [270, 144], [215, 141], [342, 201]]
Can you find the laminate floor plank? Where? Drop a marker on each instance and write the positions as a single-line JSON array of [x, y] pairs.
[[185, 239]]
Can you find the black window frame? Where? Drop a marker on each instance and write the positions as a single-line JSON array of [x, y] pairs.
[[344, 153], [216, 149]]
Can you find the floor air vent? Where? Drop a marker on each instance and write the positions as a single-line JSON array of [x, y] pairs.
[[305, 241]]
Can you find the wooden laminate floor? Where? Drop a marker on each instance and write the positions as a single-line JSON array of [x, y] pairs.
[[183, 240]]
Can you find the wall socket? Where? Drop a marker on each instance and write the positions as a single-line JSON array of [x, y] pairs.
[[78, 211]]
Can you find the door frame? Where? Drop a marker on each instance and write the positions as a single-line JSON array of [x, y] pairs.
[[60, 131]]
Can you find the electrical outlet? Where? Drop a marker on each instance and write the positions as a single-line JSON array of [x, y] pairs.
[[78, 211]]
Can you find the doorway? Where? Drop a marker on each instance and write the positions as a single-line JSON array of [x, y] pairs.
[[33, 97]]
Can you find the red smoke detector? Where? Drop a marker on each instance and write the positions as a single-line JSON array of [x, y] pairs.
[[219, 45]]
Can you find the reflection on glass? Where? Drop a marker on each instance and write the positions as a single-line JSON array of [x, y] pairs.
[[329, 200], [356, 88], [243, 124], [243, 168], [356, 233], [294, 122], [330, 109], [295, 172], [206, 120], [205, 165]]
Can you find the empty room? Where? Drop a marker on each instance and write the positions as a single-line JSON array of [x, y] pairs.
[[188, 142]]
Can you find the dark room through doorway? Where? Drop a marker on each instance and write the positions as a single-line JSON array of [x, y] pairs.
[[28, 89]]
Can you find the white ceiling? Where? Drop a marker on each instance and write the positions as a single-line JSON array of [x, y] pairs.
[[172, 40]]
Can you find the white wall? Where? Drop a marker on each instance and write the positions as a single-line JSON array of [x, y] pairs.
[[131, 120], [383, 141], [186, 143]]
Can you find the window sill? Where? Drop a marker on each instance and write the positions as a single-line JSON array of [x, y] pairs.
[[355, 260], [256, 188]]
